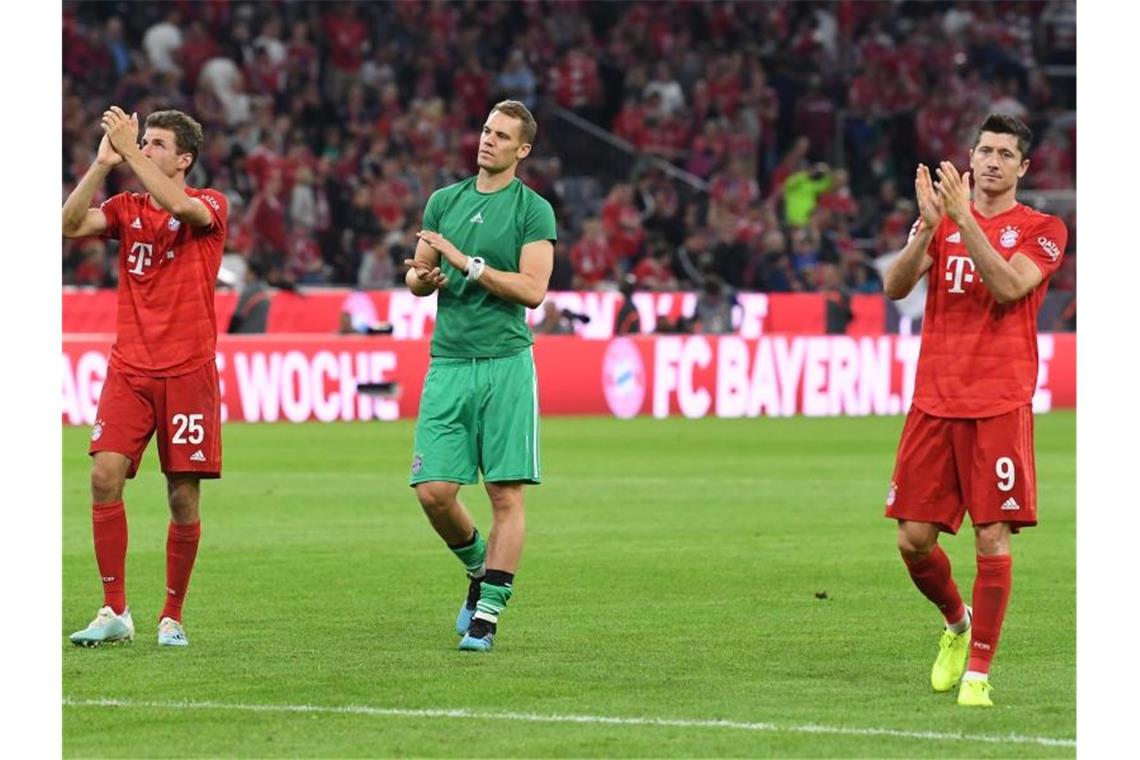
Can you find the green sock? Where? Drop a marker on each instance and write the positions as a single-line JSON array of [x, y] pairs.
[[473, 555], [495, 590]]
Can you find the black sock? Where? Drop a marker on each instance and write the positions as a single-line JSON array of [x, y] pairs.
[[480, 628], [473, 591], [499, 577]]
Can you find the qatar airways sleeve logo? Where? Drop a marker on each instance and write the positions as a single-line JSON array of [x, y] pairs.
[[1049, 247], [959, 270]]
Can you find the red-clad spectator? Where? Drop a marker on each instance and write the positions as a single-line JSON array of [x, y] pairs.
[[198, 46], [218, 14], [1039, 98], [794, 160], [895, 227], [301, 55], [266, 218], [864, 94], [390, 109], [702, 107], [706, 154], [935, 129], [655, 270], [875, 45], [592, 257], [732, 192], [725, 84], [1053, 164], [666, 137], [391, 196], [471, 89], [355, 116], [721, 20], [837, 199], [92, 268], [264, 159], [741, 136], [630, 122], [815, 117], [442, 19], [303, 263], [756, 220], [83, 57], [575, 81], [622, 223], [264, 76], [348, 43], [299, 157], [765, 102]]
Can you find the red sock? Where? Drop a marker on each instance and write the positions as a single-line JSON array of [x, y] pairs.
[[109, 525], [181, 549], [932, 576], [991, 592]]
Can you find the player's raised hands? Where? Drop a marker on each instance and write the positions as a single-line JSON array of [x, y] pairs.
[[427, 273], [107, 156], [954, 190], [929, 204], [122, 130]]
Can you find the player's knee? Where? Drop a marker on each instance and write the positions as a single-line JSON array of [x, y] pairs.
[[183, 495], [992, 539], [183, 505], [914, 544], [436, 497], [106, 482], [506, 499]]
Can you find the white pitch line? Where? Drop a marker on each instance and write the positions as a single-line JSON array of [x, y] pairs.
[[398, 712]]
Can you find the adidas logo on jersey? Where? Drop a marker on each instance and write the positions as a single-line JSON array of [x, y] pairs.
[[478, 218], [198, 456], [136, 224], [1010, 505], [956, 237]]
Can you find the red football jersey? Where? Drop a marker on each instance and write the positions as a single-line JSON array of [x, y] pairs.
[[979, 357], [167, 271]]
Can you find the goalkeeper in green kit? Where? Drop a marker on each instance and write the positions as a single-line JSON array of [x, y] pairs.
[[487, 247]]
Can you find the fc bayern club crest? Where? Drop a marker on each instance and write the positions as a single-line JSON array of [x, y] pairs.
[[173, 224], [891, 493], [1009, 236]]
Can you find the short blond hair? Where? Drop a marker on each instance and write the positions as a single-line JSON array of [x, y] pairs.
[[517, 110]]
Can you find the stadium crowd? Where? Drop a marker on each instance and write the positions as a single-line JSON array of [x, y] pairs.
[[795, 127]]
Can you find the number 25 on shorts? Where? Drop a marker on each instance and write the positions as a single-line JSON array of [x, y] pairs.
[[190, 429]]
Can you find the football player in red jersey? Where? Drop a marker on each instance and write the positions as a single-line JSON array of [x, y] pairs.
[[967, 444], [161, 378]]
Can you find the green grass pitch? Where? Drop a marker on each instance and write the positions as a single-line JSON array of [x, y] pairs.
[[666, 605]]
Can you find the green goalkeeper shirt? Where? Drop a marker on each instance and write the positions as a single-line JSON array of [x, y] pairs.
[[471, 322]]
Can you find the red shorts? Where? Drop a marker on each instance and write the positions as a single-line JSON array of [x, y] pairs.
[[946, 466], [185, 411]]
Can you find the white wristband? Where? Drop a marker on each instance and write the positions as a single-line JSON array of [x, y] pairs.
[[474, 268]]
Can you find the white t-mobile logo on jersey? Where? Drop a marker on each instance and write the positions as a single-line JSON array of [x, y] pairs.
[[956, 272], [140, 256]]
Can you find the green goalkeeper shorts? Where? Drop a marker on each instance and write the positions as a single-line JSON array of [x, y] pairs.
[[478, 415]]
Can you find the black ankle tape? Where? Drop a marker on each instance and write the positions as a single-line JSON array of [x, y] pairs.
[[499, 577]]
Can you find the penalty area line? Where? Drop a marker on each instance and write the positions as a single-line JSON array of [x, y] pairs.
[[601, 720]]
